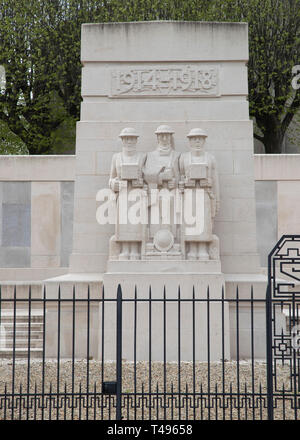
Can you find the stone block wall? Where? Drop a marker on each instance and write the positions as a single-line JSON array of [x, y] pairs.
[[36, 209], [277, 181], [36, 215]]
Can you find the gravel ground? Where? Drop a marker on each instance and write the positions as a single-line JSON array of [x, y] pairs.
[[163, 405]]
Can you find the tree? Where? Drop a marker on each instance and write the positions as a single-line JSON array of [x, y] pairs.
[[41, 89], [40, 50]]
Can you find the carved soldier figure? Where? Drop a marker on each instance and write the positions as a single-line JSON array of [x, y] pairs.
[[126, 174], [161, 172], [198, 170], [161, 167]]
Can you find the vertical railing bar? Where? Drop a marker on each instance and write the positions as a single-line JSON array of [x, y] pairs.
[[295, 374], [201, 401], [28, 355], [230, 391], [283, 400], [165, 348], [35, 397], [73, 352], [58, 351], [88, 354], [246, 401], [150, 351], [102, 348], [65, 401], [44, 350], [95, 397], [179, 352], [194, 356], [252, 353], [109, 399], [172, 401], [216, 399], [208, 351], [119, 354], [20, 402], [79, 398], [260, 401], [143, 415], [238, 350], [134, 349], [186, 401], [50, 400], [223, 351], [14, 351], [157, 402], [5, 400], [269, 343]]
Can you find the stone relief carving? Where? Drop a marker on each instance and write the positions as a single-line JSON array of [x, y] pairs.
[[164, 173], [198, 170], [126, 173], [161, 172], [180, 80]]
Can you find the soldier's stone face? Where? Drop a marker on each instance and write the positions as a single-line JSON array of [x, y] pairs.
[[197, 143], [129, 142], [164, 139]]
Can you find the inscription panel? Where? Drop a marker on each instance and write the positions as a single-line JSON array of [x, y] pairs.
[[180, 80]]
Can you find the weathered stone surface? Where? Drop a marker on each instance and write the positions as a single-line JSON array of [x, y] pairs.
[[67, 212], [16, 230], [109, 106], [45, 219], [266, 214]]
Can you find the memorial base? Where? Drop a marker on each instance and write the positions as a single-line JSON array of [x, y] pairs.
[[175, 324]]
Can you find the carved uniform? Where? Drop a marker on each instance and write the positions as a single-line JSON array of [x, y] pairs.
[[158, 170], [207, 179], [126, 232]]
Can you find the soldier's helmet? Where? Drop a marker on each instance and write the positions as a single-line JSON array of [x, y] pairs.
[[128, 132], [197, 132], [164, 129]]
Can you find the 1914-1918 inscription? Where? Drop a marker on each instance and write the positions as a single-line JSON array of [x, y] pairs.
[[189, 80]]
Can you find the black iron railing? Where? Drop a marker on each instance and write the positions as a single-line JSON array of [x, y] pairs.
[[70, 364], [67, 354]]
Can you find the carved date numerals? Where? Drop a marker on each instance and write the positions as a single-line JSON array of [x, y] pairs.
[[175, 81]]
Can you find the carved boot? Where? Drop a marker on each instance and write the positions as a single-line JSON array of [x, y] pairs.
[[214, 248], [192, 253], [202, 251], [134, 251], [124, 255]]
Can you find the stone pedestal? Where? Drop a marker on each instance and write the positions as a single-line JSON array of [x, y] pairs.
[[159, 58], [185, 75], [136, 278]]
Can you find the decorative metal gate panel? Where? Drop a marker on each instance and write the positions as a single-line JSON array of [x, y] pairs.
[[283, 327]]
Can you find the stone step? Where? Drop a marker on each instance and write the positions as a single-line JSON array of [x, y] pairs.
[[14, 329], [21, 334], [21, 326], [20, 343], [20, 318], [20, 353]]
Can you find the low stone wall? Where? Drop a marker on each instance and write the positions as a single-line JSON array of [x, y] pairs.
[[36, 216], [277, 182], [36, 211]]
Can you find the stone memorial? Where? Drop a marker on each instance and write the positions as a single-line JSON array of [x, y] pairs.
[[180, 89]]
